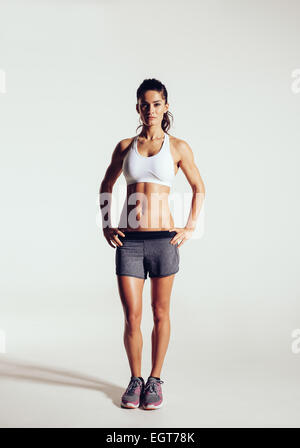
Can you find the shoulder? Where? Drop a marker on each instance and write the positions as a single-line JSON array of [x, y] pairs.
[[181, 147], [125, 143], [122, 146]]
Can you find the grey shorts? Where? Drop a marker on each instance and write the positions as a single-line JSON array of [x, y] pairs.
[[146, 252]]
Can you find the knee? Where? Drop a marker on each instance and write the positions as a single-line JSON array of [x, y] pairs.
[[133, 321], [160, 314]]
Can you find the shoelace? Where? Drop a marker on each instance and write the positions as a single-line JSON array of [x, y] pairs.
[[133, 384], [152, 386]]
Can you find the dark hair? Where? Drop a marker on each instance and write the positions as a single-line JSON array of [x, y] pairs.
[[155, 84]]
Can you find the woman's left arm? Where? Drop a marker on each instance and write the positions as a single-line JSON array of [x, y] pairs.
[[191, 172]]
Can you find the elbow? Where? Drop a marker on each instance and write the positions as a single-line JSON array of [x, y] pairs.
[[105, 187], [198, 188]]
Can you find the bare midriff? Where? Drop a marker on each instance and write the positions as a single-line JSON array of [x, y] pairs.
[[146, 208]]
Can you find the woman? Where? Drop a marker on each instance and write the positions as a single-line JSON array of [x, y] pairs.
[[146, 240]]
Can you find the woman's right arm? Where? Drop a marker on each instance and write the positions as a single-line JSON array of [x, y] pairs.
[[113, 171]]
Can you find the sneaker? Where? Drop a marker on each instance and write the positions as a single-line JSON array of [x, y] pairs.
[[152, 396], [131, 397]]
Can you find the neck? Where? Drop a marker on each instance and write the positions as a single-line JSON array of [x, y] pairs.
[[152, 133]]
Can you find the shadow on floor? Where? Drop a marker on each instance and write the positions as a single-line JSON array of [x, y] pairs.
[[16, 369]]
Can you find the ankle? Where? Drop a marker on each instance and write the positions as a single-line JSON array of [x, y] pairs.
[[137, 376]]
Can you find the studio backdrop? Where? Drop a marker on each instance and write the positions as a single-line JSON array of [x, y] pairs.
[[69, 71]]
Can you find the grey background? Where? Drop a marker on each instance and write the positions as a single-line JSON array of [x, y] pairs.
[[72, 69]]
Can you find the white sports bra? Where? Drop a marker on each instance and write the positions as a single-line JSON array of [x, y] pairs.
[[158, 169]]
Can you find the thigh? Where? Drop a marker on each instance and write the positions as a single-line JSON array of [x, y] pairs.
[[131, 294], [129, 258], [161, 289], [161, 257]]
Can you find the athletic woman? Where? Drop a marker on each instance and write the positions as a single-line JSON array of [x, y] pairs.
[[146, 240]]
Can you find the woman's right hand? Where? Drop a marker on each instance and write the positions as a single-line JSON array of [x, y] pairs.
[[111, 234]]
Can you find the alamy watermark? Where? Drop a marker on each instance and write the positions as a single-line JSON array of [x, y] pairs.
[[295, 86], [296, 342], [2, 341], [2, 82], [186, 209]]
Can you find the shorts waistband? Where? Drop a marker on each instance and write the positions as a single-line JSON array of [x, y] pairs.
[[145, 234]]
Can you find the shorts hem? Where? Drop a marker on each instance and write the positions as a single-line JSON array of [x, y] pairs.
[[132, 275], [164, 275]]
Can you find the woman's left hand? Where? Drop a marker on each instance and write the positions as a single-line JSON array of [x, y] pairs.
[[183, 234]]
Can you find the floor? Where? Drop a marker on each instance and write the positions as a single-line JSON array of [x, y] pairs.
[[69, 369]]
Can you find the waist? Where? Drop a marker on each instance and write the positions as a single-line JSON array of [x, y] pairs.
[[147, 234]]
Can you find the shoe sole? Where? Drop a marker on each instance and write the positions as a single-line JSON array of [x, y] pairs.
[[130, 405], [150, 407]]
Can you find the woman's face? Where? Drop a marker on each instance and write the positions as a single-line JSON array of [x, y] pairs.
[[151, 107]]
